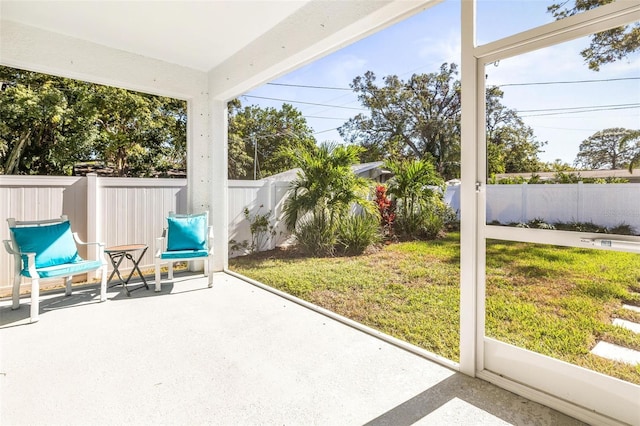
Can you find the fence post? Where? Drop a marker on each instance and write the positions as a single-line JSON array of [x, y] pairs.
[[579, 202], [524, 214], [272, 209], [93, 219]]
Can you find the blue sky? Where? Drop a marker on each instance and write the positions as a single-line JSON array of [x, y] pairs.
[[423, 42]]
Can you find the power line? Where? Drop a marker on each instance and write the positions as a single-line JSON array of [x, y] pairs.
[[537, 83], [325, 131], [305, 86], [578, 112], [566, 110], [325, 118], [301, 102], [580, 108], [541, 83]]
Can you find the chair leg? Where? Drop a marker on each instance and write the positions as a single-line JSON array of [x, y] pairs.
[[35, 299], [67, 286], [170, 273], [103, 284], [158, 283], [209, 270], [16, 291]]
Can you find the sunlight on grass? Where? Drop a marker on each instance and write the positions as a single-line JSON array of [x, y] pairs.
[[552, 300]]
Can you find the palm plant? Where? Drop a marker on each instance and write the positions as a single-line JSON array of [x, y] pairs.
[[325, 186], [412, 188], [324, 191]]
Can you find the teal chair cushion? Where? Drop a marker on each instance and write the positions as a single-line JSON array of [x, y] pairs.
[[66, 270], [187, 233], [52, 244], [184, 254]]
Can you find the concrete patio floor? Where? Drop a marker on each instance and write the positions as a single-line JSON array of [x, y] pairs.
[[234, 354]]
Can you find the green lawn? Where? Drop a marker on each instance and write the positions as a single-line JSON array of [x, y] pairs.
[[552, 300]]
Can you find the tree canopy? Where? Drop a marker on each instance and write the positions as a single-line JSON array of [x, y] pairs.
[[271, 133], [511, 145], [609, 149], [420, 119], [51, 123], [606, 46]]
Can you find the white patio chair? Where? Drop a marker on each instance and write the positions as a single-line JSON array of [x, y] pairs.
[[187, 237], [48, 249]]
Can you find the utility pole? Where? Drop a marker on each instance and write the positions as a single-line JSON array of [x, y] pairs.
[[255, 157]]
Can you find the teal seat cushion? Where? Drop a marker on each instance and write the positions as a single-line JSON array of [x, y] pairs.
[[52, 244], [187, 233], [66, 270], [184, 254]]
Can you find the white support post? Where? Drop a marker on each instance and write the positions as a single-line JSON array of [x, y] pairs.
[[198, 154], [94, 220], [468, 196], [218, 190]]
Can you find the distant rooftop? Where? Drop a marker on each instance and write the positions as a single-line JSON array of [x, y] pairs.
[[371, 170], [590, 174]]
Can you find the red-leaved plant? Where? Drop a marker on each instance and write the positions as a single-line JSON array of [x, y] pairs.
[[386, 208]]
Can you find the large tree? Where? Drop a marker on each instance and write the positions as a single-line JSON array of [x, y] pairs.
[[606, 46], [511, 145], [267, 132], [417, 119], [51, 123], [608, 149], [46, 123], [420, 119], [634, 137]]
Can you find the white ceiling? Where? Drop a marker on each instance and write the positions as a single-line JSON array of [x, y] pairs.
[[195, 34], [240, 44]]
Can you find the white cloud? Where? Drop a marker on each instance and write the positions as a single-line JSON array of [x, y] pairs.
[[444, 48], [345, 68]]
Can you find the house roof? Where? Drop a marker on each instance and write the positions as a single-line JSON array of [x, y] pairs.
[[591, 174], [358, 169]]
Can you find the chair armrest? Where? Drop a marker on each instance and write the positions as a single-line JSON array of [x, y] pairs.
[[210, 239], [158, 245], [92, 243], [82, 243], [31, 256], [20, 256], [8, 246]]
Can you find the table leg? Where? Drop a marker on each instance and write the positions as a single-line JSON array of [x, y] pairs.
[[116, 259]]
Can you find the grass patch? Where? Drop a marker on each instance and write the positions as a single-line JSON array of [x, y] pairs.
[[552, 300]]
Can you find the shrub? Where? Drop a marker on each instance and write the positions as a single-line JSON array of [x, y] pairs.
[[416, 189], [260, 227], [581, 227], [357, 232], [434, 218], [623, 229], [315, 236], [386, 208]]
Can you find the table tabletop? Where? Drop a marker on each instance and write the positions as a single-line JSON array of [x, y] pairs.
[[125, 248]]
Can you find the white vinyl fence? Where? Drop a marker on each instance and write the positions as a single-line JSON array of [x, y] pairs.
[[131, 210], [602, 204], [125, 210]]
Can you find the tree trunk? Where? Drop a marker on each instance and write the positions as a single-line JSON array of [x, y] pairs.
[[13, 160]]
